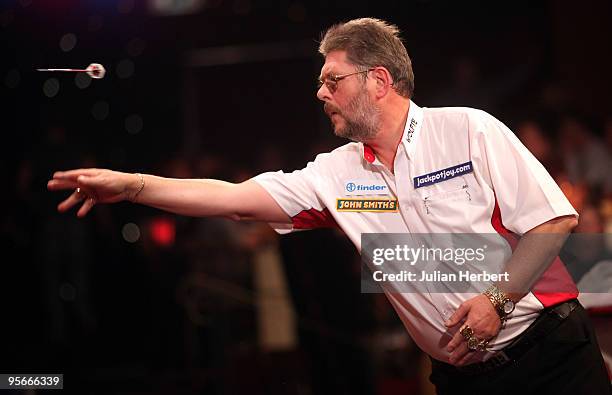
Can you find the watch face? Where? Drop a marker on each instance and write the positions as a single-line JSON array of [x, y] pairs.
[[508, 307]]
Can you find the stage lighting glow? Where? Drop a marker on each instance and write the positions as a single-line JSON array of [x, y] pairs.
[[68, 42], [51, 87], [163, 231], [133, 124], [82, 80], [130, 232]]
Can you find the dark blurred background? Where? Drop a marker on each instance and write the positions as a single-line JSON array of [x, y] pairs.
[[132, 300]]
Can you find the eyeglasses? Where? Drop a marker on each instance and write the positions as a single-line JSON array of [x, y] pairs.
[[331, 81]]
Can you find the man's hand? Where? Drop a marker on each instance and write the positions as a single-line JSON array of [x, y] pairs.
[[95, 186], [191, 197], [481, 316]]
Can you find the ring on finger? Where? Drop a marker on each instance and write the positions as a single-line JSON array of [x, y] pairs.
[[482, 345], [80, 194], [472, 343], [475, 344], [466, 332]]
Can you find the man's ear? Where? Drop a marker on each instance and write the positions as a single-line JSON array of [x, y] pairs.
[[383, 80]]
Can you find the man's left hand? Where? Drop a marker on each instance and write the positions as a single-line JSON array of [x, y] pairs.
[[481, 316]]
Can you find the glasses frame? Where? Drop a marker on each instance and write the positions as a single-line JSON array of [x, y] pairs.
[[333, 79]]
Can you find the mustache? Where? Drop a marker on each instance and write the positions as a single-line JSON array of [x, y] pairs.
[[330, 108]]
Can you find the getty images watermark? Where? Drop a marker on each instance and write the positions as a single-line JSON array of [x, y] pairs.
[[455, 263], [424, 255]]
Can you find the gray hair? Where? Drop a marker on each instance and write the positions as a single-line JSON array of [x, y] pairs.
[[371, 42]]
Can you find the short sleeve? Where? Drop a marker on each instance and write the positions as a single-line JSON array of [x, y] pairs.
[[526, 193], [296, 193]]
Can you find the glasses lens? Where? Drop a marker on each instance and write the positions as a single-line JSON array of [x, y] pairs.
[[331, 84]]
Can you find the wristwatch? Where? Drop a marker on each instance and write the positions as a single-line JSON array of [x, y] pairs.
[[500, 301]]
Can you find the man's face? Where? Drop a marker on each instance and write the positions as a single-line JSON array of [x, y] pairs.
[[349, 106]]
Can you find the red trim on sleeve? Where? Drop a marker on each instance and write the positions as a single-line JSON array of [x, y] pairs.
[[313, 218], [556, 284]]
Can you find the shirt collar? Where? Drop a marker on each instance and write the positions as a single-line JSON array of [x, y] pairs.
[[412, 128], [368, 154]]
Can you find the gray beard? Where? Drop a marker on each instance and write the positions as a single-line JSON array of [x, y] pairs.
[[362, 119]]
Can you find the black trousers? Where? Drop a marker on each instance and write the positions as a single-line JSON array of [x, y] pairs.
[[567, 360]]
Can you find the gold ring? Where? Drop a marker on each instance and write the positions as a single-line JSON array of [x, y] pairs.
[[472, 343], [80, 194], [482, 345], [466, 332]]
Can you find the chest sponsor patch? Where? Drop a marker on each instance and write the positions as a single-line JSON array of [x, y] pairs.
[[365, 187], [369, 205], [443, 175]]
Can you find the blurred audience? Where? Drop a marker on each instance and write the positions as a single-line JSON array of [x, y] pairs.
[[531, 132], [586, 157]]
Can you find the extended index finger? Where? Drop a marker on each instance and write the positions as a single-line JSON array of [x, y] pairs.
[[74, 174], [60, 184]]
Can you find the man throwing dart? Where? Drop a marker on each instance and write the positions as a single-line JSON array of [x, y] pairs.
[[436, 170]]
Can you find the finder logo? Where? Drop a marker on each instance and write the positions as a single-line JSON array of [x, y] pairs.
[[366, 187]]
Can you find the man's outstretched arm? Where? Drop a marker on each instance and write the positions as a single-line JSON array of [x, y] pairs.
[[189, 197]]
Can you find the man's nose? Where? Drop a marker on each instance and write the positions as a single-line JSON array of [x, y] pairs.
[[323, 93]]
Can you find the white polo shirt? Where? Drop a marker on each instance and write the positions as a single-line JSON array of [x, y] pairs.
[[497, 186]]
